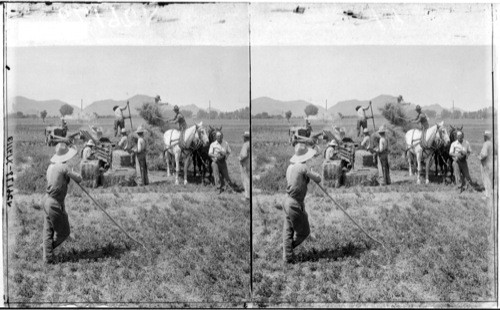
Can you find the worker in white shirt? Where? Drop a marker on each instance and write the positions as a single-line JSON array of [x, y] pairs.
[[124, 143], [460, 151], [119, 119], [140, 151], [219, 151], [88, 152]]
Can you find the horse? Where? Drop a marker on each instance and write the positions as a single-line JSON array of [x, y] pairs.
[[434, 138], [442, 158], [202, 160], [194, 138]]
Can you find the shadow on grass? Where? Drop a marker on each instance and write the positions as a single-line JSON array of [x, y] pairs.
[[108, 251], [348, 250]]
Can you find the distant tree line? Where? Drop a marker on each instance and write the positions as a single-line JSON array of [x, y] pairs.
[[243, 113]]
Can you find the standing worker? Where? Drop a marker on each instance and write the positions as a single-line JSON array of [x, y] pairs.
[[296, 220], [486, 158], [421, 119], [460, 151], [119, 119], [245, 164], [56, 225], [219, 151], [64, 126], [366, 143], [383, 158], [140, 153], [362, 118]]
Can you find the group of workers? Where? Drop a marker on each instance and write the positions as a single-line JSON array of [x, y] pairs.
[[298, 175]]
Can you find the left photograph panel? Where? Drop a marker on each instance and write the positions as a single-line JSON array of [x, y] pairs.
[[128, 126]]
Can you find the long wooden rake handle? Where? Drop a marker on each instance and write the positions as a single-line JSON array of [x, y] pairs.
[[345, 212], [109, 216]]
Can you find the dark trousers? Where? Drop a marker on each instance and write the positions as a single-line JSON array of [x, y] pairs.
[[361, 123], [119, 123], [221, 174], [461, 172], [55, 227], [384, 167], [143, 169], [296, 222]]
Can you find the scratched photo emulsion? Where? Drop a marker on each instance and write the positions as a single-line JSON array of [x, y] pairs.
[[127, 142], [374, 155]]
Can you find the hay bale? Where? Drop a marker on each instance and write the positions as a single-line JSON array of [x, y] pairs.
[[121, 177], [121, 159], [332, 173], [363, 159], [364, 177], [89, 170]]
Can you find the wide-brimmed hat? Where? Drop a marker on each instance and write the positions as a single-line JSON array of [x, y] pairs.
[[115, 107], [90, 143], [366, 130], [139, 130], [460, 133], [302, 153], [381, 129], [63, 153], [333, 143], [246, 134], [487, 133], [358, 107]]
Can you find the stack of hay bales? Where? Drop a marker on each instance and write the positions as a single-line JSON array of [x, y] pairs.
[[363, 159], [89, 170], [364, 177], [122, 170], [332, 173]]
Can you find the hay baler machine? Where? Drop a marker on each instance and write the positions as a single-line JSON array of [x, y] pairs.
[[103, 149], [346, 152], [55, 135]]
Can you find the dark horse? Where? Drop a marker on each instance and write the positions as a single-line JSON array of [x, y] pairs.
[[443, 160], [202, 161]]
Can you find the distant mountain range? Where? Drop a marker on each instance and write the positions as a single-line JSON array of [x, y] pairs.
[[101, 107], [346, 108]]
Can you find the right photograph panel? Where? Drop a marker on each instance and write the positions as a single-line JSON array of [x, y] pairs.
[[373, 155]]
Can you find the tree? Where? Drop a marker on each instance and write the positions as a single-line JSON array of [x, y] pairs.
[[202, 114], [43, 115], [457, 114], [187, 113], [66, 109], [445, 114], [430, 113], [288, 114], [311, 110], [213, 114]]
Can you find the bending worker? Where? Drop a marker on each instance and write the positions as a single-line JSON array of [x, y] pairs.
[[296, 220], [56, 225]]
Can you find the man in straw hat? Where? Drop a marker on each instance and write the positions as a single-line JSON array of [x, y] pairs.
[[331, 152], [362, 118], [245, 164], [119, 119], [366, 143], [296, 220], [460, 151], [140, 153], [56, 225], [124, 143], [87, 153], [382, 152], [219, 151], [486, 158]]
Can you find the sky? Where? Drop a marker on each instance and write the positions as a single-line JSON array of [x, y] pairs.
[[179, 74], [423, 75]]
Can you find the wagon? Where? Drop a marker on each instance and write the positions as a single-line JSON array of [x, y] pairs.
[[54, 135]]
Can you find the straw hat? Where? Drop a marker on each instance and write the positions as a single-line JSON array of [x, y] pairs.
[[333, 143], [246, 134], [366, 130], [302, 153], [140, 130], [487, 133], [381, 129], [90, 143], [63, 153]]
